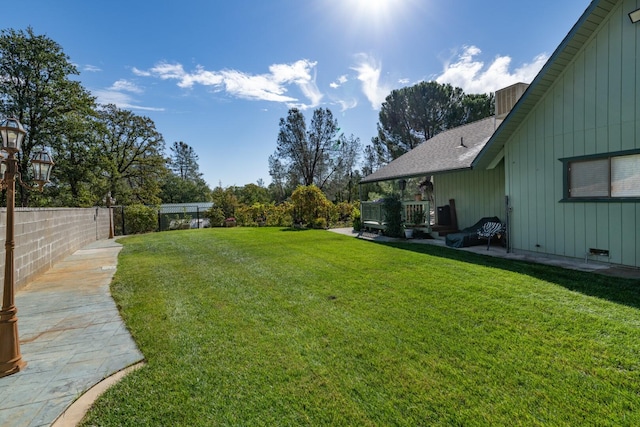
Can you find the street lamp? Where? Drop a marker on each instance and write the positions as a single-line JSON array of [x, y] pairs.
[[12, 134]]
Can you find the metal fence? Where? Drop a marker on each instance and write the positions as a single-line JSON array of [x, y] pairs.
[[170, 217], [182, 217]]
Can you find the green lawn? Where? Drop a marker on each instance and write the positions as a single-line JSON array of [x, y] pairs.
[[269, 327]]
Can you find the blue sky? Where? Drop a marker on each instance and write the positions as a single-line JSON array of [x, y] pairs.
[[219, 75]]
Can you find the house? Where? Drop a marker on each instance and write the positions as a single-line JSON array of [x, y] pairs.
[[562, 168]]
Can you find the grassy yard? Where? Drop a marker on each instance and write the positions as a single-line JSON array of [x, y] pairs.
[[269, 327]]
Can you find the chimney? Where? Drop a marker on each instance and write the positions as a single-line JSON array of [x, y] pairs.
[[506, 98]]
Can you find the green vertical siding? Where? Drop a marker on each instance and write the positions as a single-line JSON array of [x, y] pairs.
[[477, 193], [593, 108]]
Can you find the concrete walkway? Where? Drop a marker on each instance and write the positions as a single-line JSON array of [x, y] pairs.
[[500, 252], [71, 337]]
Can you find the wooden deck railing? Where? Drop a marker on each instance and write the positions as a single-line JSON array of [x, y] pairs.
[[414, 213]]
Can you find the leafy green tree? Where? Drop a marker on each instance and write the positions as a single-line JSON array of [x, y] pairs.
[[36, 88], [131, 156], [177, 190], [225, 200], [478, 106], [251, 194], [411, 115], [77, 157]]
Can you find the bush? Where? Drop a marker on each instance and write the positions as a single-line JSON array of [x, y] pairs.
[[215, 216], [140, 219], [280, 215], [319, 223], [356, 218], [345, 211], [309, 204], [392, 208], [264, 214]]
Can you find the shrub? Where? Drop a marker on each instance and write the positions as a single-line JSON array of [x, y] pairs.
[[216, 216], [264, 214], [392, 208], [319, 223], [140, 218], [309, 204], [356, 218], [345, 211], [280, 215]]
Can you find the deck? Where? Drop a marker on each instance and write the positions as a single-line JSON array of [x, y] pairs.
[[415, 214]]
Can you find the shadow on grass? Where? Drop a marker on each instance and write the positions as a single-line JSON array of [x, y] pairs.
[[296, 229], [614, 289]]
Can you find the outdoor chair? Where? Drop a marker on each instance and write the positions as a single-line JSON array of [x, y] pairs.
[[490, 230]]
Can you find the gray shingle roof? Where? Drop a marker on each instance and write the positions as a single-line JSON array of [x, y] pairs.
[[442, 153]]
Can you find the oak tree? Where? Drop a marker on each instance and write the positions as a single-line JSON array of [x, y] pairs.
[[36, 88]]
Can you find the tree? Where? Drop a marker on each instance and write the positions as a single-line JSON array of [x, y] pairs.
[[185, 184], [177, 190], [35, 87], [313, 156], [340, 186], [252, 193], [225, 200], [77, 155], [131, 155], [184, 161], [478, 106], [411, 115], [279, 188]]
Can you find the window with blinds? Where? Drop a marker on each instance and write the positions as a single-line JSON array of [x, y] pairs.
[[606, 177], [589, 178], [625, 176]]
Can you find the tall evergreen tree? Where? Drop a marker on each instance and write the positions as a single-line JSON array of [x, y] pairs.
[[185, 184], [184, 161]]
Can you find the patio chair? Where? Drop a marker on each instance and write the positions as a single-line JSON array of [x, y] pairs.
[[490, 230]]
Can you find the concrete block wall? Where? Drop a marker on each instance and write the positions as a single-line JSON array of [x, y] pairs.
[[45, 236]]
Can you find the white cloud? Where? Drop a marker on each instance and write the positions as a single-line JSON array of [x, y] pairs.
[[125, 86], [120, 99], [369, 75], [141, 73], [473, 76], [347, 104], [91, 68], [339, 81], [272, 86]]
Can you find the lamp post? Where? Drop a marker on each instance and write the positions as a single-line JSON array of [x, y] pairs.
[[13, 134]]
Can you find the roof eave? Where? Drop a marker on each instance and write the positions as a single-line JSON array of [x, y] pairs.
[[421, 174], [564, 54]]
